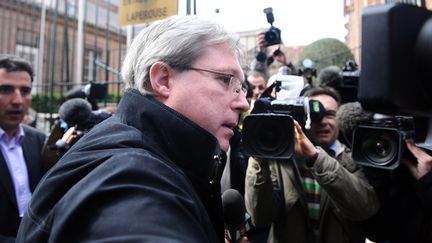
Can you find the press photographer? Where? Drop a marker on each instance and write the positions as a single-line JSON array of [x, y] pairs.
[[290, 172], [395, 81], [266, 56]]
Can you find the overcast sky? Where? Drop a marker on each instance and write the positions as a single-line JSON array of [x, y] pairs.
[[301, 21]]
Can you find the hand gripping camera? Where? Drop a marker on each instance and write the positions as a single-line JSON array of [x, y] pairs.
[[273, 35]]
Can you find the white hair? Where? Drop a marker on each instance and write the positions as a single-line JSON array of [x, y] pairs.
[[178, 41]]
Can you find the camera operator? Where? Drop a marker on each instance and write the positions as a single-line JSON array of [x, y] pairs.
[[320, 195], [405, 196]]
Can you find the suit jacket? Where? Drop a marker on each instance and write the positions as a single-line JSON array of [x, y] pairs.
[[9, 219]]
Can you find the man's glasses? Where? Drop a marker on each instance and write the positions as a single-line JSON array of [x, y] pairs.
[[234, 84], [10, 89]]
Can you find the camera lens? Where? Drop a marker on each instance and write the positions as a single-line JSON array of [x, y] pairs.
[[268, 136], [379, 147], [271, 36]]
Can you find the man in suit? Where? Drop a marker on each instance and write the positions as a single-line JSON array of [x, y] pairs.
[[20, 145]]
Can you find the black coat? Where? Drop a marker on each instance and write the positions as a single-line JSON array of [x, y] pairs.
[[405, 213], [145, 174], [9, 216]]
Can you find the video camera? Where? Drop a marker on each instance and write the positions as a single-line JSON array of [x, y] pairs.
[[350, 80], [91, 92], [273, 35], [380, 143], [395, 81], [268, 132]]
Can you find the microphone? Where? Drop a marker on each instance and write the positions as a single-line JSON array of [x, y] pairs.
[[236, 219], [349, 116], [76, 111], [330, 76]]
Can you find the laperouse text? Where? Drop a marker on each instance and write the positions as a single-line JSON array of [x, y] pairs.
[[147, 14]]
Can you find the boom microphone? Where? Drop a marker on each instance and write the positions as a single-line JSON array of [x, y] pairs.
[[330, 76], [76, 111], [348, 117], [235, 216]]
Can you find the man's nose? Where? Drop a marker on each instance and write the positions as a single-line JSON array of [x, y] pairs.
[[241, 103], [17, 96]]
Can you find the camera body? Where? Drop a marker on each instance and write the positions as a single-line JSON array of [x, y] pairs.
[[350, 81], [380, 143], [394, 81], [268, 132], [272, 35]]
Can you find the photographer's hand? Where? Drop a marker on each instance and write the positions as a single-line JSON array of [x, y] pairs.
[[261, 42], [424, 161], [303, 146]]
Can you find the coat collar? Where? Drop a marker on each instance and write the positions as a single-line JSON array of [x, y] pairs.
[[181, 141]]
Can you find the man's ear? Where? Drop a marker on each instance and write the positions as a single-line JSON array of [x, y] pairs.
[[159, 79]]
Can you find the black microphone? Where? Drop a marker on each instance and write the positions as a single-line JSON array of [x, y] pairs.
[[235, 216], [76, 111], [330, 76], [349, 116]]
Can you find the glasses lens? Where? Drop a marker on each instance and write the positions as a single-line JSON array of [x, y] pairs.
[[237, 86]]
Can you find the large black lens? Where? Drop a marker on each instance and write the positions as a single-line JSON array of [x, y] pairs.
[[268, 136], [379, 147]]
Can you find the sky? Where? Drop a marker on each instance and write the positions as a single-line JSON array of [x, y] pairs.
[[301, 21]]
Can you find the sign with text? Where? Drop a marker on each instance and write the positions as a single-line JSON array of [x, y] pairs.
[[145, 11]]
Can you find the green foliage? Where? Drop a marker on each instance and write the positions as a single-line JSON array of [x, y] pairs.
[[326, 52], [46, 103], [113, 97]]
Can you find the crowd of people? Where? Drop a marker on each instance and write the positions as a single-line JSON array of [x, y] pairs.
[[156, 169]]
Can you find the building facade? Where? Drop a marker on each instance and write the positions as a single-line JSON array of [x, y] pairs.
[[353, 10]]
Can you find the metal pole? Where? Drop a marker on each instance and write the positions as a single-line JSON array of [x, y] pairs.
[[188, 7], [66, 45], [80, 42], [72, 51], [39, 69], [107, 35], [120, 41], [4, 25], [95, 49]]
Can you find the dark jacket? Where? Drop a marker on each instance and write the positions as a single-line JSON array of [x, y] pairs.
[[274, 196], [406, 206], [145, 174], [9, 216]]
